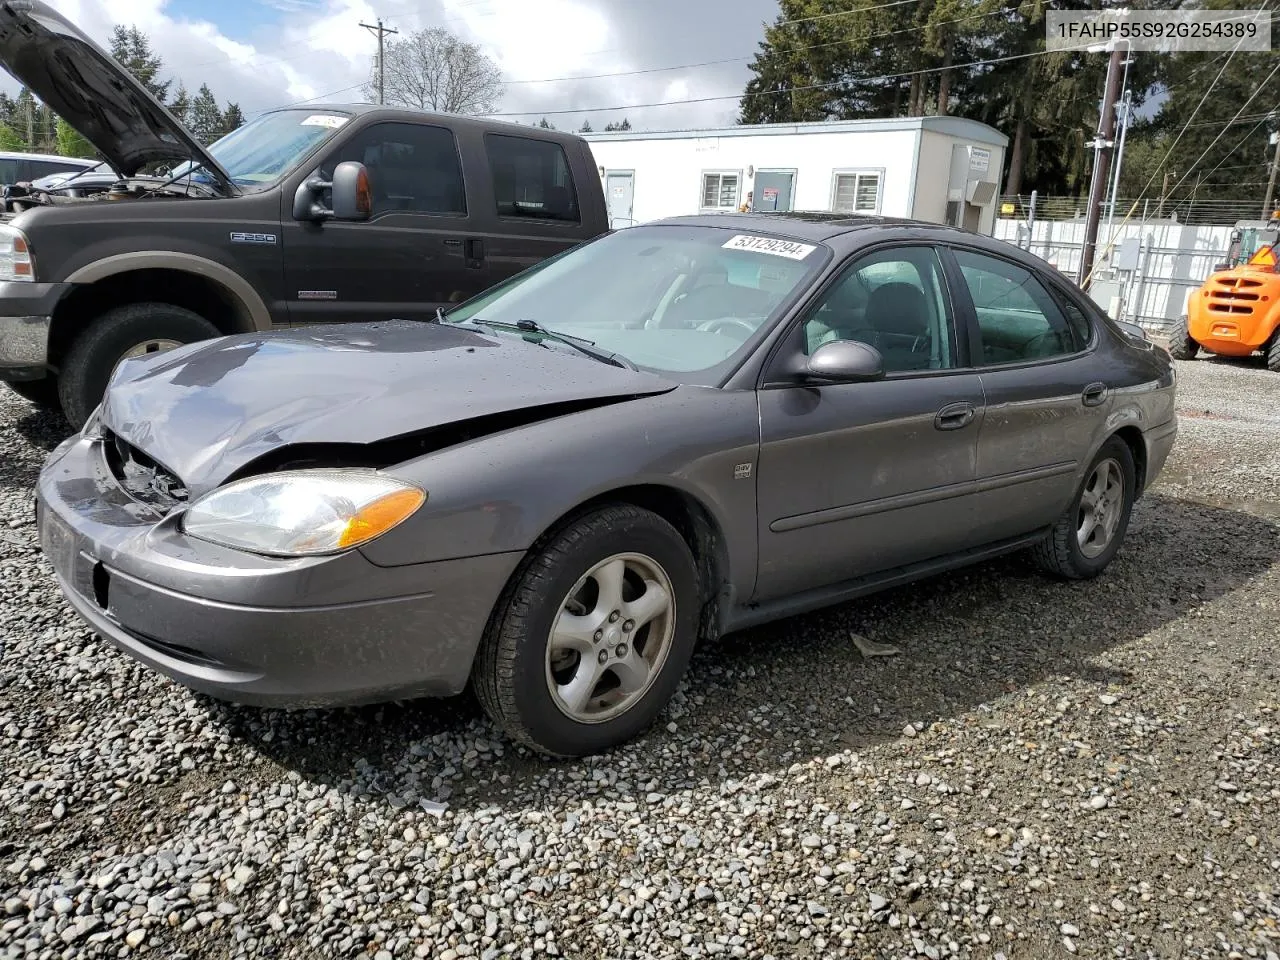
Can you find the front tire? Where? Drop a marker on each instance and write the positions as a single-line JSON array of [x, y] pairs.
[[132, 330], [43, 393], [1273, 352], [1085, 539], [590, 640], [1182, 346]]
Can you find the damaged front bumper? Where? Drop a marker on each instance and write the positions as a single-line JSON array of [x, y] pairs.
[[313, 631]]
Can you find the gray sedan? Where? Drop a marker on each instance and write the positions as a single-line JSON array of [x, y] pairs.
[[554, 490]]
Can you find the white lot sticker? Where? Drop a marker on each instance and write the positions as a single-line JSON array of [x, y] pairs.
[[323, 120], [779, 248]]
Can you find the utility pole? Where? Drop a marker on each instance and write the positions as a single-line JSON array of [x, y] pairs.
[[1102, 145], [1164, 192], [1271, 182], [381, 32]]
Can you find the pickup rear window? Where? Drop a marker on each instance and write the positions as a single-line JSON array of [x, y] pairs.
[[531, 178]]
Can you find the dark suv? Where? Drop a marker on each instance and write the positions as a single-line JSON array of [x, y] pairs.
[[306, 214]]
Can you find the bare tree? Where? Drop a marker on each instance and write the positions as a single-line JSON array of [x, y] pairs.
[[434, 70]]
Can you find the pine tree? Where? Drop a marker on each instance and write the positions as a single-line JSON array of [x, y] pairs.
[[545, 125], [181, 106], [231, 119], [586, 127], [618, 127], [206, 118], [132, 49]]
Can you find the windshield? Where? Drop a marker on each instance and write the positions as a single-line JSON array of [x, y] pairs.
[[679, 300], [265, 149]]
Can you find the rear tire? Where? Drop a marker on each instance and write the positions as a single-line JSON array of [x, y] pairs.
[[43, 393], [1182, 346], [592, 636], [94, 354], [1273, 352], [1075, 548]]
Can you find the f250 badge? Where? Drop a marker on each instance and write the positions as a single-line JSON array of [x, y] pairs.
[[237, 237]]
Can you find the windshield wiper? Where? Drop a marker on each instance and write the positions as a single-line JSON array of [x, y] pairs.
[[585, 347]]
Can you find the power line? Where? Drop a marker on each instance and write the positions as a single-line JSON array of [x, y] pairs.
[[844, 13], [767, 93], [1185, 127], [1241, 143]]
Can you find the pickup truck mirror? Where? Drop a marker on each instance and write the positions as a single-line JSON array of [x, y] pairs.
[[350, 195]]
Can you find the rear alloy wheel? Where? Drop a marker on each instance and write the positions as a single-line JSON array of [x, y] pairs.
[[43, 393], [1273, 352], [1085, 539], [133, 330], [1182, 346], [593, 636]]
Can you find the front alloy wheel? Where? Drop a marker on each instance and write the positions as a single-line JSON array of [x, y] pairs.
[[593, 634], [611, 638]]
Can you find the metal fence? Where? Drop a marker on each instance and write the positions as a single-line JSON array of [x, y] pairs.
[[1173, 259], [1209, 207]]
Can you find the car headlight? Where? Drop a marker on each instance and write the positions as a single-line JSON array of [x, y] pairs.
[[15, 255], [92, 429], [298, 513]]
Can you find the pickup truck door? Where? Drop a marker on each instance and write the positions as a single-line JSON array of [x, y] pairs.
[[540, 197], [419, 250]]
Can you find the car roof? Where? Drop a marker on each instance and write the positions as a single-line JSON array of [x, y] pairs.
[[453, 120], [806, 225], [19, 155], [850, 231]]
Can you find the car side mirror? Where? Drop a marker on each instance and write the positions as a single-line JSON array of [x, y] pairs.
[[842, 361], [350, 195]]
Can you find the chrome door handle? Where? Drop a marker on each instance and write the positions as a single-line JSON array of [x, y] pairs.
[[954, 416]]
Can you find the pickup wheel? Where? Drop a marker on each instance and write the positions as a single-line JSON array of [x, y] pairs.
[[43, 393], [1182, 346], [129, 331]]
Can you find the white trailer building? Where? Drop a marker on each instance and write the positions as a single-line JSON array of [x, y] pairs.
[[940, 169]]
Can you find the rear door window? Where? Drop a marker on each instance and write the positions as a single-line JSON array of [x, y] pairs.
[[8, 170], [531, 179], [1018, 320]]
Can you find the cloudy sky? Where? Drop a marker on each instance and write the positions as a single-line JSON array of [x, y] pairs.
[[267, 53]]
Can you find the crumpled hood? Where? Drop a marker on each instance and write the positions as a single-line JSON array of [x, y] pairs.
[[207, 409], [85, 86]]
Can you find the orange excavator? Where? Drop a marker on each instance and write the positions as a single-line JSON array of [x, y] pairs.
[[1236, 312]]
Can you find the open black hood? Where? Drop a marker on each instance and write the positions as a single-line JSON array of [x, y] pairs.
[[85, 86]]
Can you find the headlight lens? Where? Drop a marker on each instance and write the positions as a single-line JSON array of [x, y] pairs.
[[15, 255], [92, 429], [297, 513]]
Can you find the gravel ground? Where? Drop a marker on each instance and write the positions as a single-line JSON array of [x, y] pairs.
[[1043, 770]]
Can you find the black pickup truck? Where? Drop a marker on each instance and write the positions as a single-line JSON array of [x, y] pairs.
[[310, 213]]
